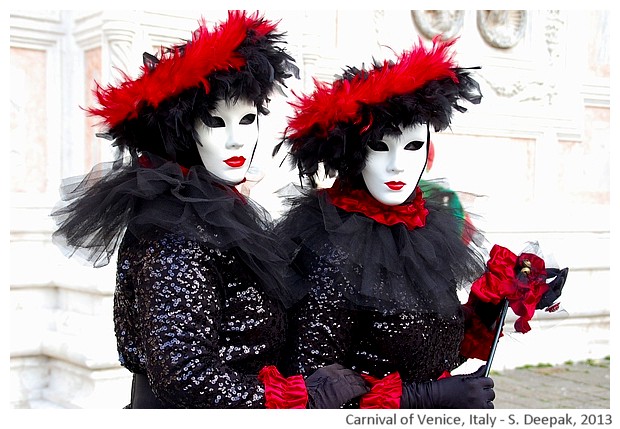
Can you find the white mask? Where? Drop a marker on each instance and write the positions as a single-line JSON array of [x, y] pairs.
[[226, 144], [394, 165]]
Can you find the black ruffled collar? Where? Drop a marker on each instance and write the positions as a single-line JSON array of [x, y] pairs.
[[114, 198], [389, 268]]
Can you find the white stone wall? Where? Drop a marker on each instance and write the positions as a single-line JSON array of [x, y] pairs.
[[537, 150]]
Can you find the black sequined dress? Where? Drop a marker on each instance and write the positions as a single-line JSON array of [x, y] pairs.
[[199, 305], [380, 298], [196, 321]]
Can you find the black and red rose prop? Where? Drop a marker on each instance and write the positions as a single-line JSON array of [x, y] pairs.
[[521, 283]]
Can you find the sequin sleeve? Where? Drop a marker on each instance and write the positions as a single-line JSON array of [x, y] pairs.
[[180, 304], [321, 326]]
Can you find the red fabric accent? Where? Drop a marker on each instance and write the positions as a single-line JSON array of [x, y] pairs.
[[478, 339], [239, 195], [146, 162], [413, 215], [281, 392], [501, 280], [431, 156], [341, 100], [384, 393], [468, 229], [176, 71], [444, 374]]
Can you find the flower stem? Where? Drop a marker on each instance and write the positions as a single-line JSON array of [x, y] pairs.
[[500, 324]]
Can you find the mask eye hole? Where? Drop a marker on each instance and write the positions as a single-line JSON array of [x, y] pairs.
[[414, 145], [214, 122], [378, 146], [248, 119]]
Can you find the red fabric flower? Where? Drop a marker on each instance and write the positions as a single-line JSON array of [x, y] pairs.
[[413, 215], [281, 392], [384, 393], [506, 278]]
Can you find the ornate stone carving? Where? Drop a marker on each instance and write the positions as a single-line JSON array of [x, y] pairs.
[[448, 23], [502, 28], [120, 49], [125, 44], [554, 29], [538, 86]]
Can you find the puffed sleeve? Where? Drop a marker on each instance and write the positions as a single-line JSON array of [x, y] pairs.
[[321, 325], [179, 304]]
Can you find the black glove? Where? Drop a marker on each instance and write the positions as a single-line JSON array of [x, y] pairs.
[[334, 385], [459, 391], [555, 287]]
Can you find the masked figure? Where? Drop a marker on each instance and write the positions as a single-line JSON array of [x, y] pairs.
[[199, 305], [381, 254]]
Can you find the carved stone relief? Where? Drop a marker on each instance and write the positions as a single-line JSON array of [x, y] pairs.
[[554, 32], [502, 28], [431, 23], [541, 86], [123, 43], [554, 26]]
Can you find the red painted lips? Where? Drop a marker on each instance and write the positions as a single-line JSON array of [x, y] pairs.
[[395, 186], [235, 161]]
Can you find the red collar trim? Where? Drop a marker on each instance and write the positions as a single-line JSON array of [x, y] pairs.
[[413, 214]]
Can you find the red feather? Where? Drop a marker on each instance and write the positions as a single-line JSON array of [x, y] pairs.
[[340, 101], [176, 71]]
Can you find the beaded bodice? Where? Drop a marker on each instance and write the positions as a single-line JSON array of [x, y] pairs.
[[195, 321]]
